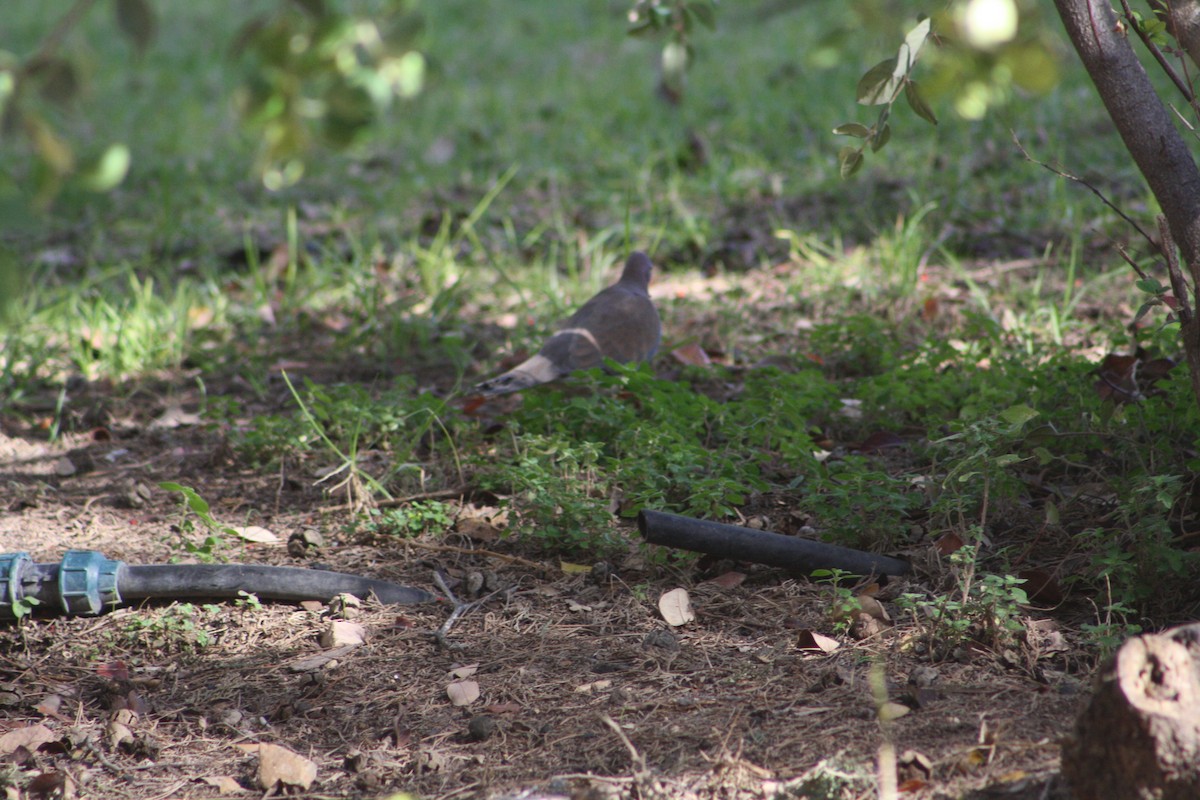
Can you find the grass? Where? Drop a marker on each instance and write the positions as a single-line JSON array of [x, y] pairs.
[[512, 185]]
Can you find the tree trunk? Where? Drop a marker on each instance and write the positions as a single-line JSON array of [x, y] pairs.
[[1139, 737], [1150, 137]]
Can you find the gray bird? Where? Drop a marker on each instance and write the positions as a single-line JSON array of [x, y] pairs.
[[620, 323]]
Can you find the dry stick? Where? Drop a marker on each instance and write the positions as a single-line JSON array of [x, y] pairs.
[[460, 609], [448, 548], [1075, 178], [1178, 284], [399, 501], [639, 761]]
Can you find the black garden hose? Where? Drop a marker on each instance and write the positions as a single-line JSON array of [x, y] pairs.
[[86, 582]]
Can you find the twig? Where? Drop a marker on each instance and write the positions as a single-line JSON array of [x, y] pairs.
[[1063, 174], [448, 548], [460, 609], [61, 28], [399, 501], [1129, 260], [1182, 86], [639, 761], [1178, 284]]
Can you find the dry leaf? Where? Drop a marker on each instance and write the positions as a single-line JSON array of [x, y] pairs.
[[253, 533], [692, 354], [892, 710], [224, 784], [1040, 587], [31, 737], [870, 605], [728, 580], [676, 607], [279, 765], [573, 569], [64, 467], [464, 671], [320, 660], [594, 686], [949, 543], [343, 633], [811, 640], [462, 693]]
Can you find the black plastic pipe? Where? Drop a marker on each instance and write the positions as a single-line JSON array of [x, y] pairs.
[[762, 547], [286, 584]]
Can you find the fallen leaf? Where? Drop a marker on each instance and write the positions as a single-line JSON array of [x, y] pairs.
[[224, 784], [342, 633], [464, 671], [870, 605], [320, 660], [676, 607], [811, 640], [949, 543], [573, 569], [691, 354], [1040, 587], [280, 766], [64, 467], [49, 706], [504, 708], [595, 686], [113, 669], [462, 693], [253, 533], [728, 580], [31, 737], [892, 710]]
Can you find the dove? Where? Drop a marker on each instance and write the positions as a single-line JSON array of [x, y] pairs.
[[620, 323]]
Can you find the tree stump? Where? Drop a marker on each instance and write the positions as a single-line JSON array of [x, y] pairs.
[[1139, 737]]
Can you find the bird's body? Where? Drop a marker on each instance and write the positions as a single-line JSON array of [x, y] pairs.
[[620, 323]]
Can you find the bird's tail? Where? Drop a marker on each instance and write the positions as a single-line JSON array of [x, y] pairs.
[[529, 373]]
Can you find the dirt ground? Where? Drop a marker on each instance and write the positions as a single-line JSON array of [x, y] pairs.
[[584, 690]]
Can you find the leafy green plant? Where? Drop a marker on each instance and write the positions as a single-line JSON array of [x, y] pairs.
[[192, 505], [173, 628], [844, 604], [248, 601], [25, 606], [983, 608], [410, 520]]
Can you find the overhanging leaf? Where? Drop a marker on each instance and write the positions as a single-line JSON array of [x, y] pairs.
[[853, 129], [878, 84], [137, 20], [917, 103], [851, 159]]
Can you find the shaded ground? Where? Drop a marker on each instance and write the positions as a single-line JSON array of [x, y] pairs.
[[729, 705]]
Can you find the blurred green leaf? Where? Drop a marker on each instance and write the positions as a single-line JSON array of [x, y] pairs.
[[52, 151], [1150, 286], [106, 172], [917, 103], [56, 78], [854, 129], [913, 42], [851, 159], [878, 84], [138, 21], [881, 137]]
